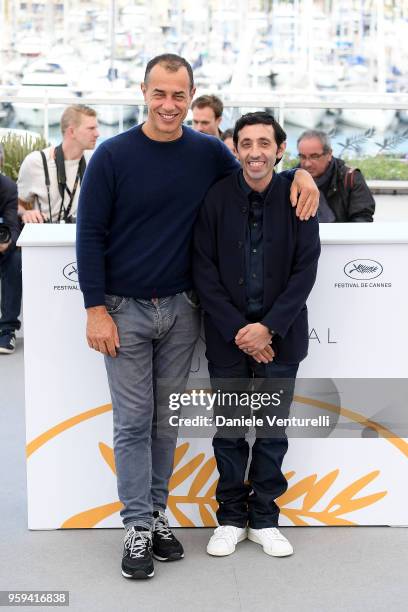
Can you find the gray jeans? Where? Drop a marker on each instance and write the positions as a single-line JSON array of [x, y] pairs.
[[157, 340]]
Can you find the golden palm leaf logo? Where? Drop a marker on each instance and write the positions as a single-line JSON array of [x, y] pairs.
[[310, 488], [308, 492]]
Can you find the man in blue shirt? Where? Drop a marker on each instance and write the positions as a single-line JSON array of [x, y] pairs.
[[139, 200]]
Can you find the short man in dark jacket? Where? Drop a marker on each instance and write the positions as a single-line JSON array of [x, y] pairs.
[[254, 266], [10, 267], [344, 194]]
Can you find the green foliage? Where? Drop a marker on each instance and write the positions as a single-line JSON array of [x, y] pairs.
[[380, 167], [16, 149], [289, 162]]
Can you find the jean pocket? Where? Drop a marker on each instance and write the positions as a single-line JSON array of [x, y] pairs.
[[192, 298], [114, 303]]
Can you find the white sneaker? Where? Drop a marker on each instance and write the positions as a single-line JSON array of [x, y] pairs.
[[225, 539], [272, 541]]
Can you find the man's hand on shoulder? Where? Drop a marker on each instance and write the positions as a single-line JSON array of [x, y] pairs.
[[253, 338], [101, 331], [304, 194]]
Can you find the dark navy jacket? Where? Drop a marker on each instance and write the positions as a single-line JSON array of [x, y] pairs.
[[291, 253], [8, 206]]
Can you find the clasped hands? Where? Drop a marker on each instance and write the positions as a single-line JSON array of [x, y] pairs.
[[255, 340]]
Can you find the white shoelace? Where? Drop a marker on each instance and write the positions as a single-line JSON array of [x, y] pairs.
[[274, 533], [136, 541], [161, 526], [226, 532]]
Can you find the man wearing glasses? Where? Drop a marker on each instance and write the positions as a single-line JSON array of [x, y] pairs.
[[344, 194]]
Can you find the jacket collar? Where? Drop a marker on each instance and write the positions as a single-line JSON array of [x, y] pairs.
[[240, 186]]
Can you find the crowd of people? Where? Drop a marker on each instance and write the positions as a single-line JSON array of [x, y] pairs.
[[223, 230]]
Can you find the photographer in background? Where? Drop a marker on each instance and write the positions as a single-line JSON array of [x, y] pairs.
[[344, 195], [49, 181], [10, 264]]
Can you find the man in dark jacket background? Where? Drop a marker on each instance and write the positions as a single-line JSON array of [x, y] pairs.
[[10, 266], [254, 266], [344, 194]]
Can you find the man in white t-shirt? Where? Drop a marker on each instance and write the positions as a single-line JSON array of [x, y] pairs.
[[49, 181]]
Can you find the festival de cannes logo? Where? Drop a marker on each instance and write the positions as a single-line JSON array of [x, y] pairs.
[[70, 272], [363, 269]]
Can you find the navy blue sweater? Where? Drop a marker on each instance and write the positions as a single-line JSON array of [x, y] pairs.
[[138, 203]]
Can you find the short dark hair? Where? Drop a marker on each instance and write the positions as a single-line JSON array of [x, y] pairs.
[[170, 62], [212, 101], [260, 117], [227, 134]]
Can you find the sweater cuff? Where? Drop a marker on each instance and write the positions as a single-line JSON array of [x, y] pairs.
[[96, 297]]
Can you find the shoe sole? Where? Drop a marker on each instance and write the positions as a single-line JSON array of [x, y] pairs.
[[175, 557], [256, 540], [217, 554], [138, 575], [7, 351]]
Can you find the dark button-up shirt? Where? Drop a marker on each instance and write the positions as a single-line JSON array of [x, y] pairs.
[[254, 251]]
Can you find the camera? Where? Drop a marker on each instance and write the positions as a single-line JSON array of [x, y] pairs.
[[70, 219], [5, 233]]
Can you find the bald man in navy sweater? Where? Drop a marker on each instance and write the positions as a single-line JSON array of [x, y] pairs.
[[139, 199]]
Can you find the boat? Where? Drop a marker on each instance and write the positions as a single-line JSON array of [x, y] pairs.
[[112, 113], [368, 118], [42, 79], [103, 81]]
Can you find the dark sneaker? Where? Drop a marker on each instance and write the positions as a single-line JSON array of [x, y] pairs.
[[7, 341], [137, 559], [166, 546]]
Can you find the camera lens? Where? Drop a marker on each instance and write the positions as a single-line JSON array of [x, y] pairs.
[[5, 234]]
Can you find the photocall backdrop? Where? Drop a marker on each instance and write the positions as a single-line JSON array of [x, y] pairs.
[[358, 330]]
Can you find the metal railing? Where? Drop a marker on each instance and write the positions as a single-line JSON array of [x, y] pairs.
[[282, 101]]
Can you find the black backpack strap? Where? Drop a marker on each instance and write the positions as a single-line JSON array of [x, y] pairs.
[[61, 176], [82, 168], [47, 184], [45, 166], [349, 179]]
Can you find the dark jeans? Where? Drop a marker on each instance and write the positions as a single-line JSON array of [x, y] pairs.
[[251, 503], [10, 275]]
